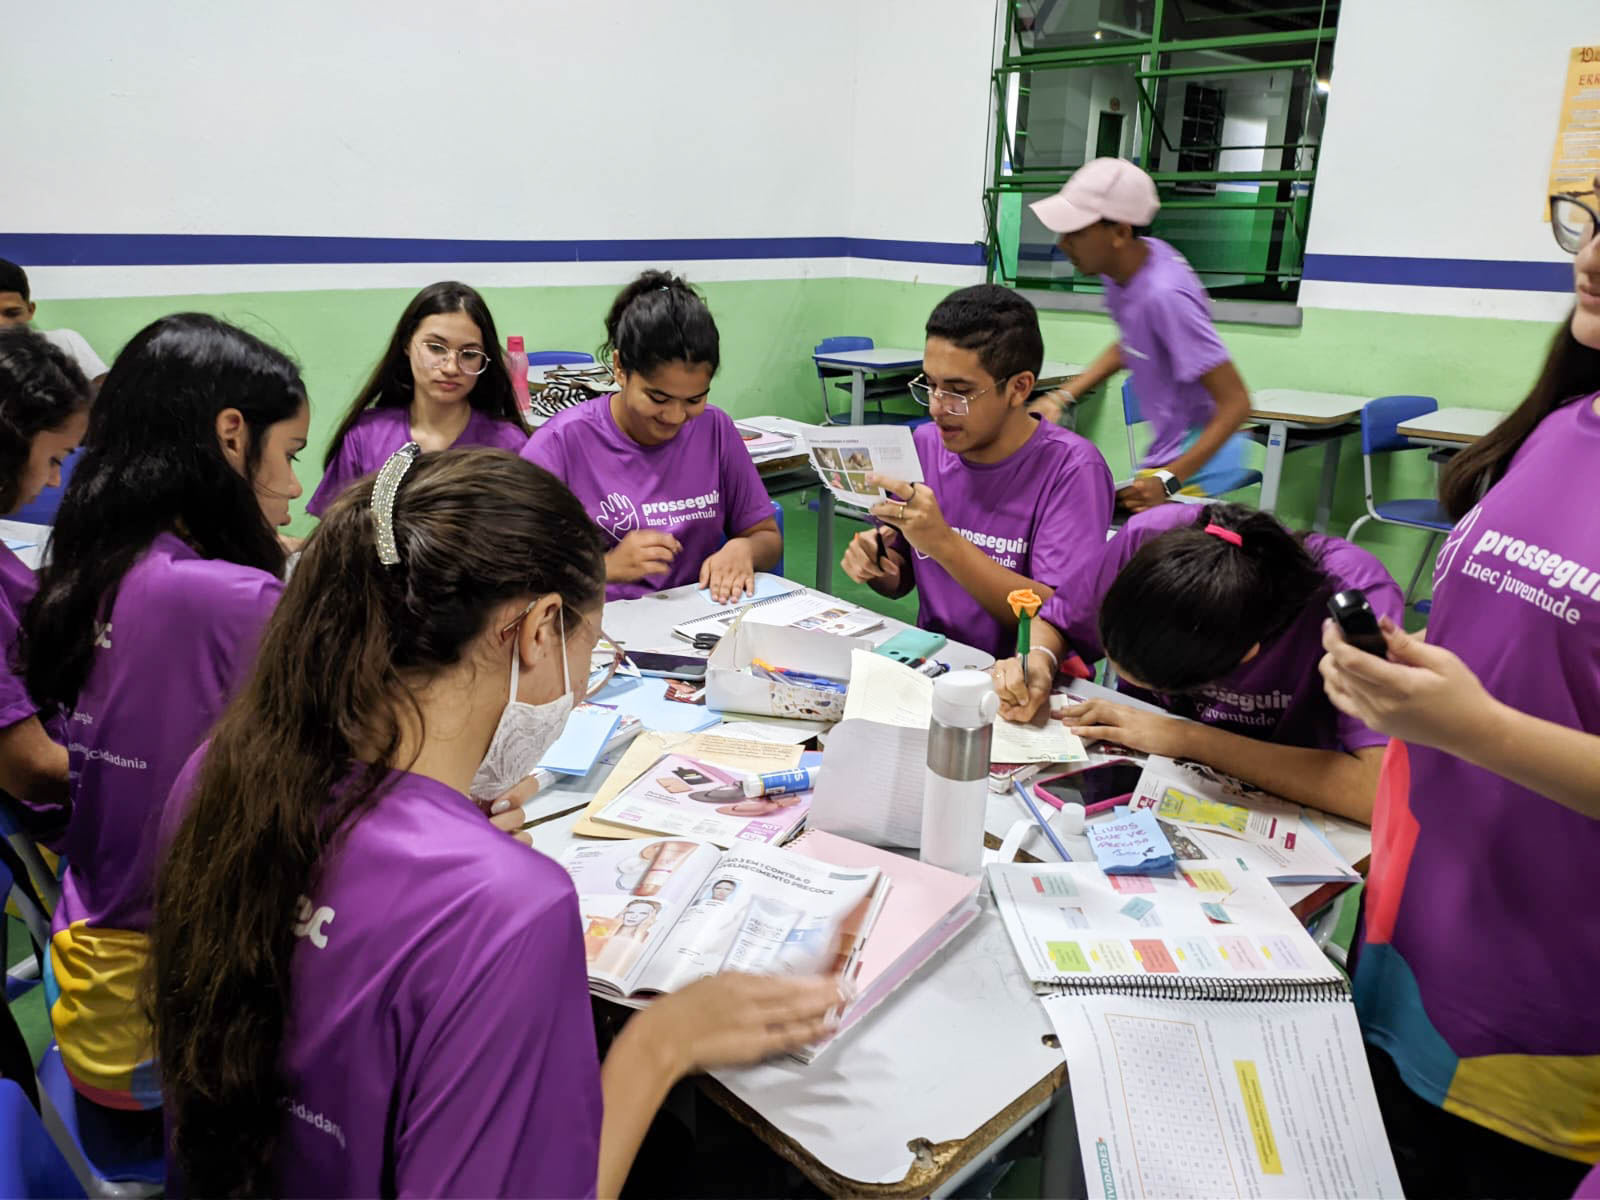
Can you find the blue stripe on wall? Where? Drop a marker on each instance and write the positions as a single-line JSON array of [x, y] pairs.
[[1497, 274], [180, 249]]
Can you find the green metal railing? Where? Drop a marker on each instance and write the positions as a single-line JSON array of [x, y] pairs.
[[1150, 58]]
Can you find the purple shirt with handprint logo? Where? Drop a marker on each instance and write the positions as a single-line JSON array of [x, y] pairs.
[[701, 487]]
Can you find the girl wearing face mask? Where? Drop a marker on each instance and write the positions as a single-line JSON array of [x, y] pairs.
[[44, 407], [164, 565], [340, 932], [1476, 969], [663, 473], [442, 382]]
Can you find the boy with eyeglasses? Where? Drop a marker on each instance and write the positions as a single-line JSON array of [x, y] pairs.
[[1008, 501], [1188, 388]]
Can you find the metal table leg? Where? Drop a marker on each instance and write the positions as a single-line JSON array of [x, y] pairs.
[[858, 397], [1330, 481], [1272, 469], [824, 581]]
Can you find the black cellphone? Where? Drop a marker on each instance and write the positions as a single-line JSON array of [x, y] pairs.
[[668, 666], [1357, 621]]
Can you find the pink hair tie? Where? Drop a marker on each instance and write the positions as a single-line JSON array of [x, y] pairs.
[[1226, 535]]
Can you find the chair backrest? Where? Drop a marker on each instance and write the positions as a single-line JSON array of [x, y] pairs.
[[1131, 417], [30, 1163], [1380, 417], [777, 512], [838, 345], [556, 358], [1130, 404]]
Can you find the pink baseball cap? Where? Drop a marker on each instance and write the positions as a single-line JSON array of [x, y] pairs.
[[1106, 189]]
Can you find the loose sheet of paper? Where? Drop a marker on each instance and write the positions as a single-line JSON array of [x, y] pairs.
[[844, 455], [1205, 1098], [585, 735], [891, 693]]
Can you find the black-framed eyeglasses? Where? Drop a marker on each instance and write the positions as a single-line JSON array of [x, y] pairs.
[[953, 403], [1572, 220], [436, 354]]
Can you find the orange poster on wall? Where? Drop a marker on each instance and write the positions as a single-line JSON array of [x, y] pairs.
[[1576, 159]]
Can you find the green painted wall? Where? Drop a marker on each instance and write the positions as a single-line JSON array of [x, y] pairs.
[[769, 327]]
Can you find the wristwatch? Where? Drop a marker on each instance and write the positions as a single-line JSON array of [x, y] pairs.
[[1169, 481]]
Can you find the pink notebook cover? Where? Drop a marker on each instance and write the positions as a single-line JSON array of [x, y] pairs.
[[920, 901]]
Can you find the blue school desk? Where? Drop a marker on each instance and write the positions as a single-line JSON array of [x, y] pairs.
[[1295, 419]]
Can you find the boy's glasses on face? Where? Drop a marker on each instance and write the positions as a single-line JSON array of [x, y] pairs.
[[435, 356], [953, 403], [1573, 218]]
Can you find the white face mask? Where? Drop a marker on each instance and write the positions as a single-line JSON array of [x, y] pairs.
[[525, 732]]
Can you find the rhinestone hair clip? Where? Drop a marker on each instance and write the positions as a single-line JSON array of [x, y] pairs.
[[384, 489]]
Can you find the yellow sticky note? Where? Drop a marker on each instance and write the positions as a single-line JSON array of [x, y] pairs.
[[1255, 1107]]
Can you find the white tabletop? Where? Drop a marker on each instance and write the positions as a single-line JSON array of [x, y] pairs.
[[1453, 424], [1056, 372], [1311, 408], [879, 358], [26, 541]]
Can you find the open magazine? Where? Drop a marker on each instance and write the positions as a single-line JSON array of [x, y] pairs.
[[689, 796], [1207, 814], [660, 914]]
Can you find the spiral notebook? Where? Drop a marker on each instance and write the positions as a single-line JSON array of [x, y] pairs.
[[1213, 931], [799, 609], [1212, 1050]]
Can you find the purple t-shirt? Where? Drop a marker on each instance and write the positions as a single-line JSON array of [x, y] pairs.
[[1480, 964], [380, 431], [181, 640], [1168, 343], [1042, 512], [1277, 696], [439, 1036], [17, 585], [702, 487]]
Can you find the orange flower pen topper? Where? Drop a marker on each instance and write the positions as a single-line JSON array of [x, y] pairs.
[[1025, 604]]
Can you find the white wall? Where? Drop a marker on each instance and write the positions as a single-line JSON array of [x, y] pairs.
[[492, 119], [1441, 121]]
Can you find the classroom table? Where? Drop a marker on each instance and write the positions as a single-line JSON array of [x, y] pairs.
[[1304, 418], [888, 360], [877, 1114], [26, 541], [1451, 428]]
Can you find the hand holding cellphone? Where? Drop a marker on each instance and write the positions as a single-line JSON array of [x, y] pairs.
[[1357, 622]]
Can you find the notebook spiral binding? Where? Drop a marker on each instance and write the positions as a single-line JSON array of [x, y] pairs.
[[1169, 988]]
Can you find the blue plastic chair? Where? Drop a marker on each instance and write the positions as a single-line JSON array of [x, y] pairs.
[[114, 1153], [30, 1163], [1225, 472], [1380, 434], [557, 358]]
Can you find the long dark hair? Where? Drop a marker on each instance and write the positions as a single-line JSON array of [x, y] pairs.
[[1571, 371], [152, 464], [391, 386], [41, 388], [659, 318], [283, 776], [1187, 607]]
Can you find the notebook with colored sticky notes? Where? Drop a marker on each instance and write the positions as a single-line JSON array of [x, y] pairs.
[[1197, 1002], [1131, 844]]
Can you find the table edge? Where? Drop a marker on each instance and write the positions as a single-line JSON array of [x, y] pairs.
[[948, 1157]]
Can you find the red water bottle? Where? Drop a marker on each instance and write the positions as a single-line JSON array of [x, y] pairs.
[[517, 352]]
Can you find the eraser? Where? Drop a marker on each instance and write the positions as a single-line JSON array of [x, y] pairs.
[[1071, 819]]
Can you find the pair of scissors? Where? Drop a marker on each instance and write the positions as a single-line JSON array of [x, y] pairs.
[[706, 641]]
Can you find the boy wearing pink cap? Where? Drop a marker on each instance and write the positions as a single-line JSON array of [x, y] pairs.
[[1188, 387]]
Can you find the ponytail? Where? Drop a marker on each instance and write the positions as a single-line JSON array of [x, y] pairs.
[[657, 319], [1189, 605], [303, 753], [1571, 372]]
